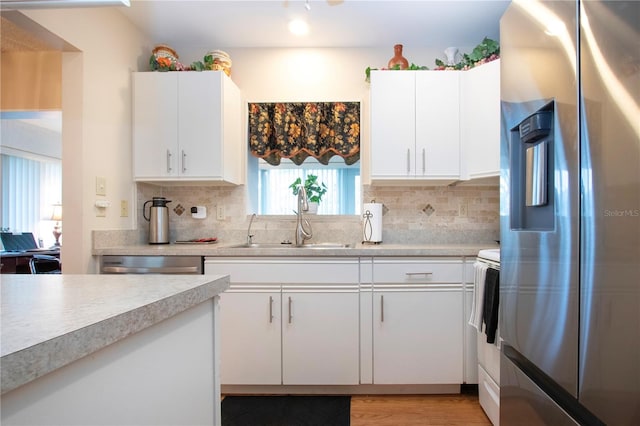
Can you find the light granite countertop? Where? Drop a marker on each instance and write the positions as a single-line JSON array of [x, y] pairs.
[[359, 249], [49, 321]]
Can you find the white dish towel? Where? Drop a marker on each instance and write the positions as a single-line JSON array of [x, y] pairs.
[[475, 320]]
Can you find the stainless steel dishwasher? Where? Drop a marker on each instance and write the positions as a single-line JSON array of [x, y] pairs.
[[151, 265]]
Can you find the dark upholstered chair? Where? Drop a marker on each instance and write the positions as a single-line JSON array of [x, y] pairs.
[[45, 264]]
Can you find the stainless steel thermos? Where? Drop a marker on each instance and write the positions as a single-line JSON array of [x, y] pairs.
[[158, 219]]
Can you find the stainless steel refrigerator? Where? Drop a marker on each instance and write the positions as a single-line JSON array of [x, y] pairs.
[[570, 213]]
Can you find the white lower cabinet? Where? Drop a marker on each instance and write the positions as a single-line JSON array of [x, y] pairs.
[[290, 321], [320, 332], [417, 321], [341, 321], [250, 336]]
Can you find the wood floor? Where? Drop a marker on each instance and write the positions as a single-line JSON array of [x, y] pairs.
[[408, 410]]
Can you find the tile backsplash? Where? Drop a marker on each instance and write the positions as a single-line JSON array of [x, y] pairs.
[[413, 215]]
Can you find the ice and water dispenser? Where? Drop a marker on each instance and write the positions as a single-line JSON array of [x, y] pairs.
[[532, 171]]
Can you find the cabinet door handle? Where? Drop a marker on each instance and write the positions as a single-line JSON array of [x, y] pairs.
[[270, 309], [424, 160], [408, 160], [381, 308], [168, 161], [290, 316], [184, 161]]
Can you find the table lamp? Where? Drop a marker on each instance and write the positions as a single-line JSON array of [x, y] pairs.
[[57, 216]]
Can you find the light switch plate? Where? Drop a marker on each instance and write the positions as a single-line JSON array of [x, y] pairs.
[[124, 208], [101, 185]]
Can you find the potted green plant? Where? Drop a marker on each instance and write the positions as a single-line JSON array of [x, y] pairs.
[[315, 190]]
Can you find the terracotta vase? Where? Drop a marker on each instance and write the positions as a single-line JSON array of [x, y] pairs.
[[398, 59]]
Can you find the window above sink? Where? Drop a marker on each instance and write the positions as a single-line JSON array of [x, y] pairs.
[[293, 140], [272, 195]]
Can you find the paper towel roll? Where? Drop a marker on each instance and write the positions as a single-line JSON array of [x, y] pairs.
[[372, 222]]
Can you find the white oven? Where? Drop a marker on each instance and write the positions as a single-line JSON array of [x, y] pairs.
[[486, 280]]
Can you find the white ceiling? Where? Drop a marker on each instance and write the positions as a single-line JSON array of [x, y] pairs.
[[333, 23]]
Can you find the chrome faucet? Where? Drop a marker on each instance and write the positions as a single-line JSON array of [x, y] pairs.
[[249, 234], [303, 227]]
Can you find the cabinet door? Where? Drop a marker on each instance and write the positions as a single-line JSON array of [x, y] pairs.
[[155, 124], [250, 336], [200, 127], [417, 320], [480, 128], [320, 337], [437, 124], [393, 117], [417, 335]]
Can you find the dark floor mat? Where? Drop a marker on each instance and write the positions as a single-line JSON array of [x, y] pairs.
[[286, 411]]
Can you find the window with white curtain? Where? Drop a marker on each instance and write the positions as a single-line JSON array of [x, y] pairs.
[[31, 170], [342, 181], [30, 187]]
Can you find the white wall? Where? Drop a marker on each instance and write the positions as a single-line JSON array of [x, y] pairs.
[[96, 121], [308, 74]]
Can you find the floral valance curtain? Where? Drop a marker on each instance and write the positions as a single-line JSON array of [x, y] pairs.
[[302, 129]]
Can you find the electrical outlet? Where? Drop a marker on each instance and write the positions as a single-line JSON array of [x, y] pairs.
[[124, 208], [220, 212], [464, 210]]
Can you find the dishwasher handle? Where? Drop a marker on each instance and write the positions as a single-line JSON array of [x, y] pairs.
[[156, 270]]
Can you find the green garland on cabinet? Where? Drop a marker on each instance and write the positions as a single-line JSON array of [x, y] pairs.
[[487, 51]]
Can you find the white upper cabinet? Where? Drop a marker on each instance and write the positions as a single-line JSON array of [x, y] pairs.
[[435, 126], [393, 128], [187, 126], [415, 126], [480, 137], [155, 124], [438, 125]]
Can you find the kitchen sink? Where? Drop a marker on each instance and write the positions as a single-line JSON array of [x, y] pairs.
[[291, 246]]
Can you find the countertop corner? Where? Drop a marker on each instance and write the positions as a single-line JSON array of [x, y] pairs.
[[49, 321]]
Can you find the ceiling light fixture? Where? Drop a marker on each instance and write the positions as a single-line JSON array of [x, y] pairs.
[[298, 27], [54, 4], [307, 5]]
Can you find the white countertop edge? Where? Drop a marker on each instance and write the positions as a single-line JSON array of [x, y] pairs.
[[22, 366]]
